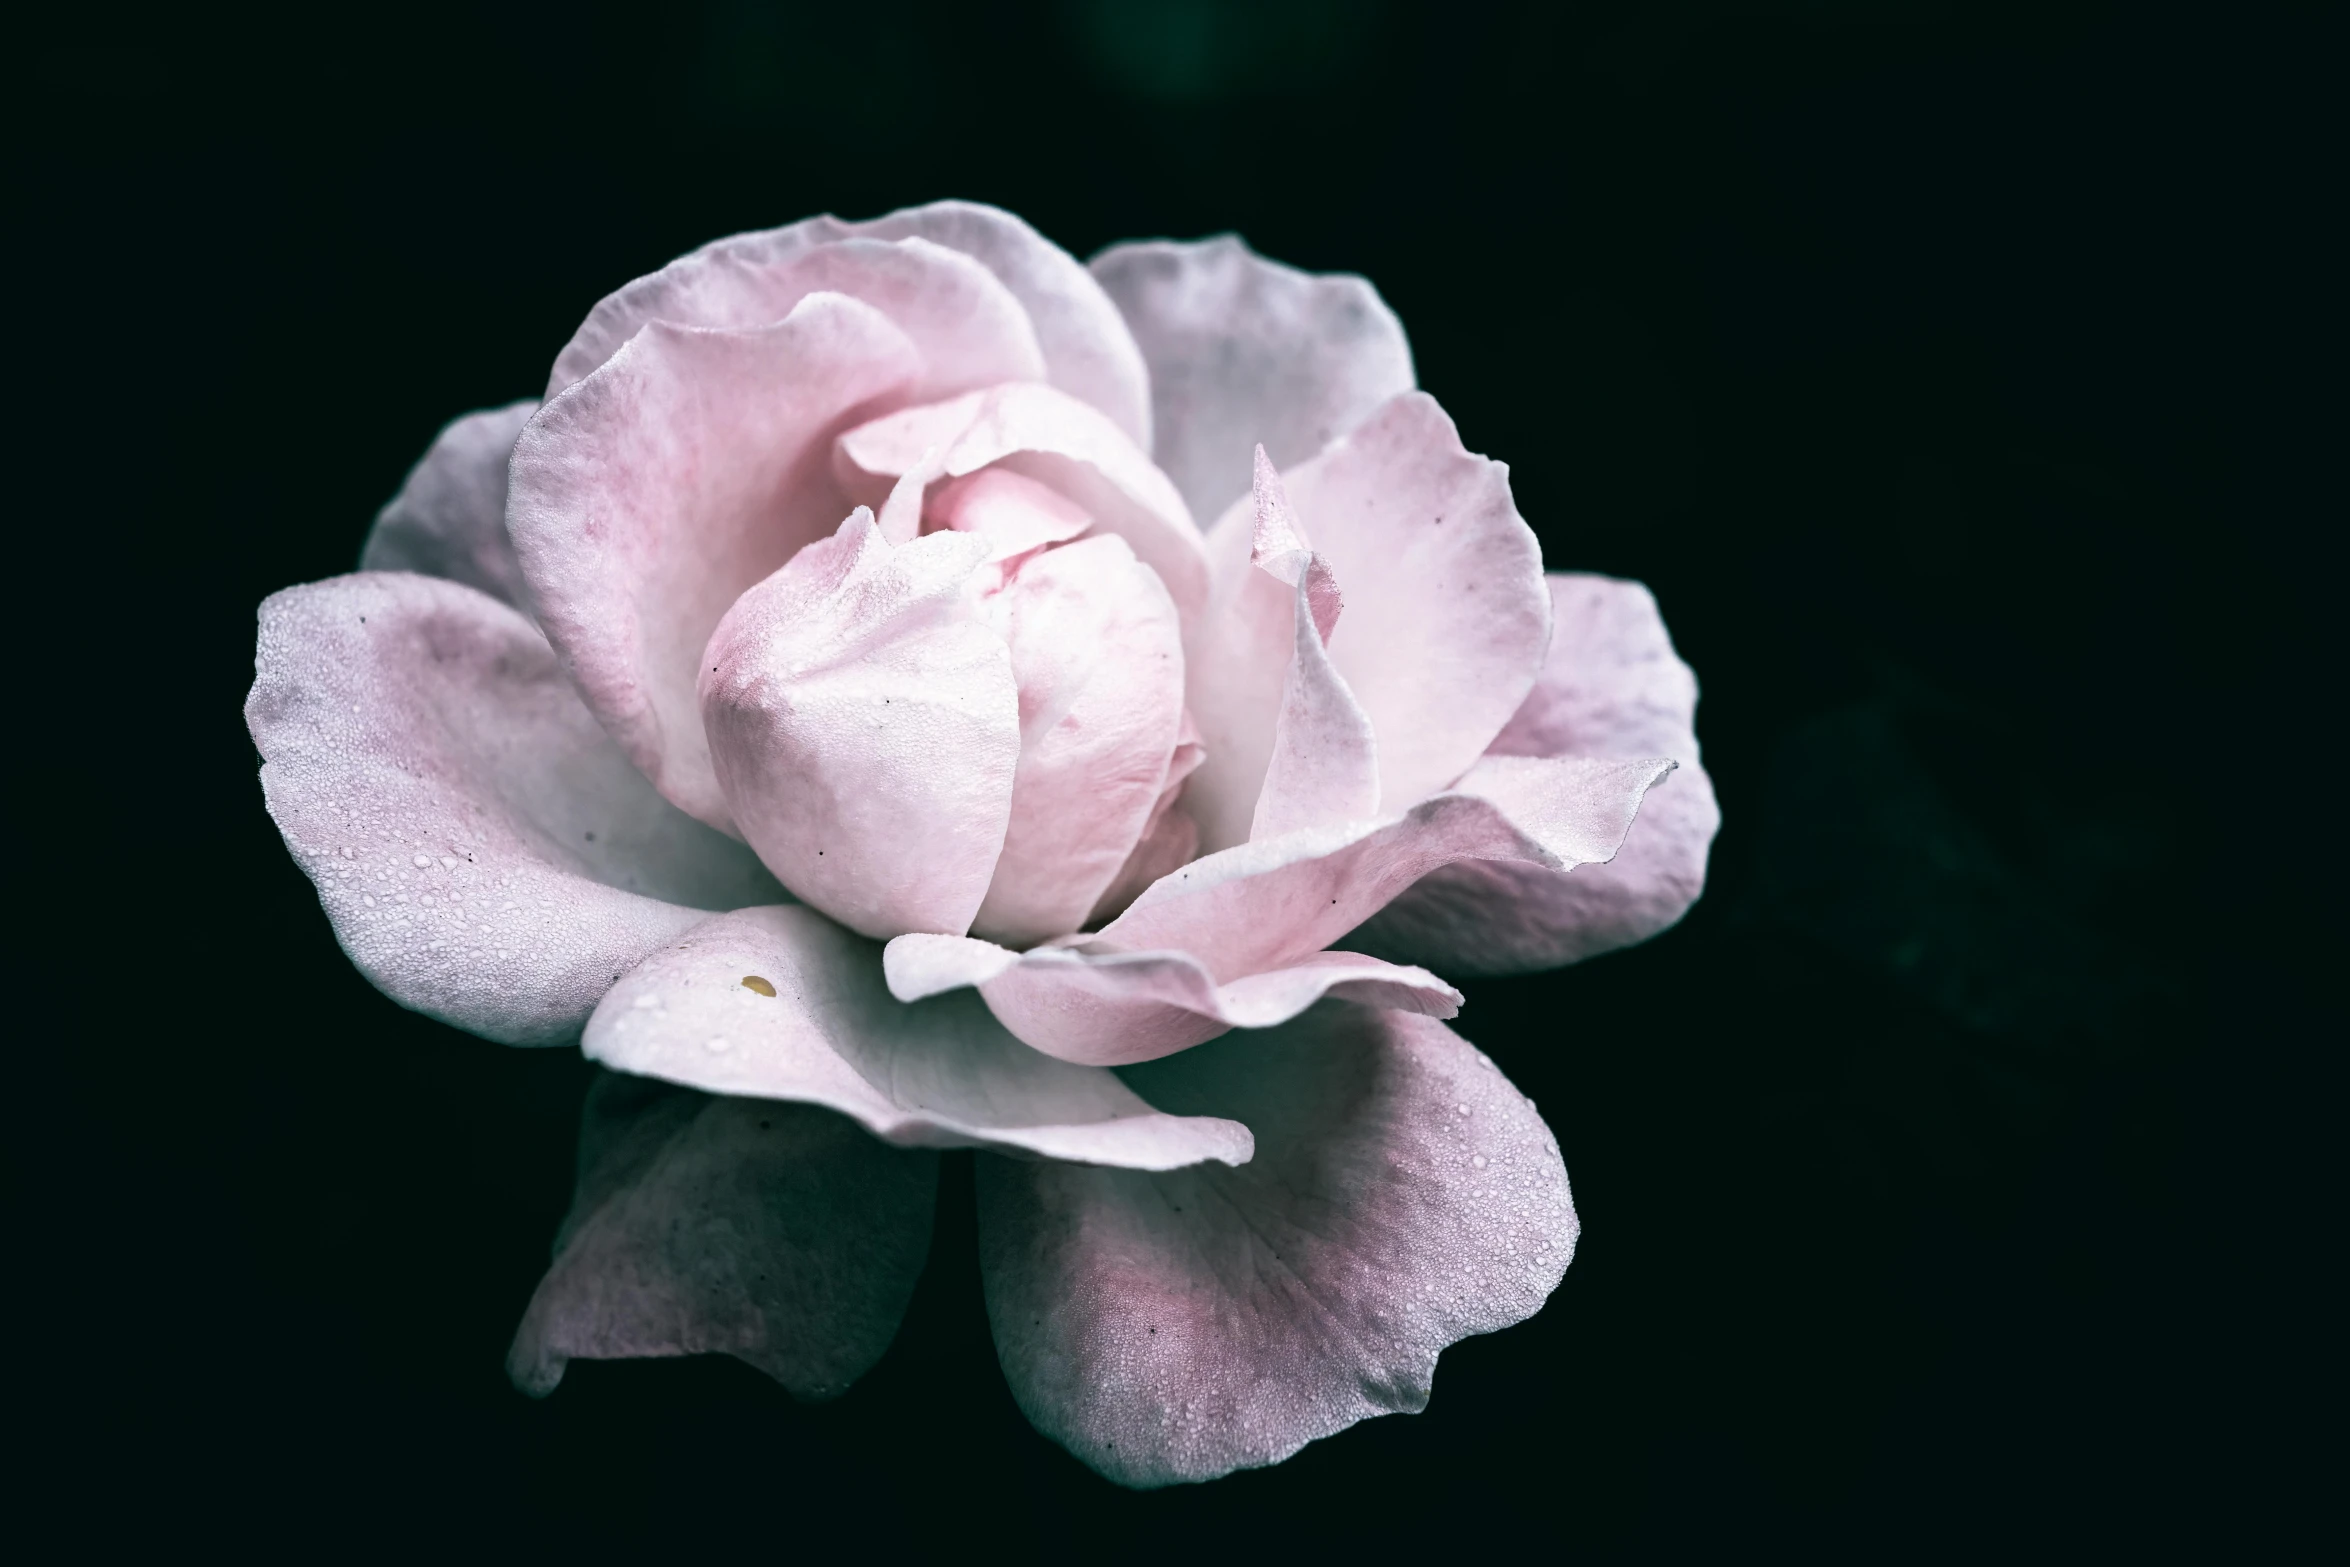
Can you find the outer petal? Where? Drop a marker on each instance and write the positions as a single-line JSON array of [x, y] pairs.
[[487, 855], [1108, 1008], [1086, 348], [1612, 687], [651, 494], [1243, 350], [449, 519], [939, 1074], [1098, 655], [1168, 1328], [1046, 435], [1446, 621], [866, 729], [774, 1233]]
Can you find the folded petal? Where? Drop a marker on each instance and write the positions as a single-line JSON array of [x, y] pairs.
[[1243, 350], [780, 1003], [486, 853], [689, 466], [966, 325], [1046, 435], [779, 1234], [1098, 655], [734, 282], [449, 519], [1169, 840], [865, 728], [1109, 1008], [1612, 686], [1175, 1327]]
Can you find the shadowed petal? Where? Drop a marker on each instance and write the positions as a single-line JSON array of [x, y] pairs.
[[650, 495], [780, 1003], [487, 855], [1612, 687], [1175, 1327], [779, 1234], [1112, 1008], [1243, 350], [449, 519]]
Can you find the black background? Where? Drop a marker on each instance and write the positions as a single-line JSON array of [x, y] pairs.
[[1950, 372]]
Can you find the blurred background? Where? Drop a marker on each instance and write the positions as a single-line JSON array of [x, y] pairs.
[[1949, 371]]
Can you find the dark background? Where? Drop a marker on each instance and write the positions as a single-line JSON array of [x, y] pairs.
[[1953, 375]]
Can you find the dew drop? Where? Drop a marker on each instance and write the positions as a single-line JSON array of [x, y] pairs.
[[718, 1044], [424, 862], [1478, 1160], [646, 1002]]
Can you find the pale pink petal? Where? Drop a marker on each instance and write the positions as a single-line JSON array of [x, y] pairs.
[[1049, 436], [1169, 840], [1098, 655], [966, 325], [866, 730], [779, 1234], [1612, 687], [1110, 1008], [1176, 1327], [449, 519], [1087, 350], [689, 466], [939, 1074], [1014, 514], [1245, 351], [1275, 901], [486, 853]]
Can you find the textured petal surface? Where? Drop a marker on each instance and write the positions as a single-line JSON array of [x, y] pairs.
[[940, 1073], [733, 282], [779, 1234], [449, 519], [1098, 655], [487, 855], [866, 729], [1612, 687], [1114, 1008], [1049, 436], [652, 493], [1169, 1328], [1243, 350]]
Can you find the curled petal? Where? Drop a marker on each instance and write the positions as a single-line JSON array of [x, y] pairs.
[[1169, 839], [1170, 1328], [1049, 436], [1108, 1008], [866, 730], [1612, 686], [779, 1003], [1098, 656], [1245, 351], [741, 281], [650, 495], [779, 1234], [1015, 515], [486, 853], [449, 519]]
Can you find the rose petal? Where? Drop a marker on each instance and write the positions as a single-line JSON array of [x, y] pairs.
[[1051, 437], [1169, 840], [778, 1234], [449, 519], [1245, 351], [866, 729], [1014, 514], [967, 326], [1169, 1328], [1107, 1008], [1612, 687], [1087, 350], [1098, 655], [1446, 622], [651, 494], [487, 855], [939, 1074]]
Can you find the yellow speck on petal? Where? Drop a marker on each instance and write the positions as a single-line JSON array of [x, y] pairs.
[[754, 982]]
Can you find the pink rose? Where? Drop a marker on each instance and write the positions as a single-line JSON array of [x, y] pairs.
[[828, 699]]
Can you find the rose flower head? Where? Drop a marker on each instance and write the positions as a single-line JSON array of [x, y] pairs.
[[902, 689]]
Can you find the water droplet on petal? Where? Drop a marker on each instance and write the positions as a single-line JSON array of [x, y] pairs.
[[718, 1044], [424, 862], [1478, 1160]]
